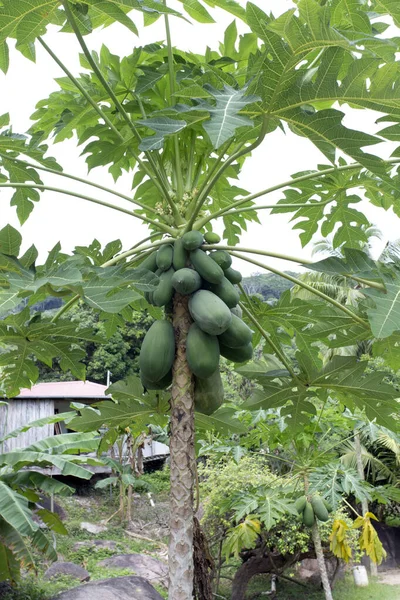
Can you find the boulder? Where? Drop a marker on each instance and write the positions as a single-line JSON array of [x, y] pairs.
[[145, 566], [67, 568], [93, 528], [308, 570], [101, 544], [123, 588]]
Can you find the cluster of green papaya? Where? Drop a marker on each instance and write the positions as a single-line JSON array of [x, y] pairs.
[[183, 266], [311, 508]]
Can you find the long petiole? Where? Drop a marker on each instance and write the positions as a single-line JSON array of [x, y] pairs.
[[155, 176], [38, 186], [203, 196], [288, 183], [178, 167], [306, 287], [81, 180], [296, 259]]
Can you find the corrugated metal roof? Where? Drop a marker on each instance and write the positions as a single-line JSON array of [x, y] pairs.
[[65, 389]]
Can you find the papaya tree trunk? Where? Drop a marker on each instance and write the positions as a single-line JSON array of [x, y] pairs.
[[321, 561], [364, 503], [182, 460]]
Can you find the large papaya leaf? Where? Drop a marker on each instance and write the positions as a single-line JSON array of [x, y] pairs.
[[385, 316], [225, 115], [131, 406]]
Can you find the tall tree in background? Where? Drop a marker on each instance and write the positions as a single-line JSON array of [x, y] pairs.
[[183, 124]]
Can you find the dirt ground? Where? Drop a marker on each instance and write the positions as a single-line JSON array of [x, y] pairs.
[[390, 577]]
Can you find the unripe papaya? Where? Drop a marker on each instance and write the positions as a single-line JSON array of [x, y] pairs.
[[206, 267], [212, 238], [202, 352], [209, 312], [180, 255], [222, 258], [150, 262], [208, 393], [226, 291], [308, 515], [158, 351], [237, 334], [192, 240], [236, 310], [327, 505], [319, 508], [233, 275], [237, 355], [157, 385], [164, 257], [300, 504], [163, 293], [186, 281]]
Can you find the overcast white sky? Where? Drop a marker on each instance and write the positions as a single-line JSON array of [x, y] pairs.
[[75, 222]]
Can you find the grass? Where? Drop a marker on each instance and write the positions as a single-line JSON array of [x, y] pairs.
[[344, 590]]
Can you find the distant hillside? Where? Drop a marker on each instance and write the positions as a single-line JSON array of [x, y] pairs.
[[269, 286]]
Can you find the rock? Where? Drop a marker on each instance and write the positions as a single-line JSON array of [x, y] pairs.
[[308, 570], [145, 566], [106, 544], [67, 568], [123, 588], [5, 589], [92, 528]]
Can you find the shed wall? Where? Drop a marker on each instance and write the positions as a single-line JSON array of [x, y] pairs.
[[21, 412]]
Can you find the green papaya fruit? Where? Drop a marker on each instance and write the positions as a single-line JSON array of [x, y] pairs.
[[209, 312], [319, 508], [158, 351], [327, 505], [222, 258], [186, 281], [237, 355], [163, 293], [300, 504], [202, 352], [150, 262], [180, 255], [233, 275], [236, 310], [226, 291], [164, 257], [308, 515], [212, 238], [206, 267], [157, 385], [192, 240], [208, 393]]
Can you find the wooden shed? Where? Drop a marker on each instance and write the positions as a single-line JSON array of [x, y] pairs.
[[47, 399], [44, 400]]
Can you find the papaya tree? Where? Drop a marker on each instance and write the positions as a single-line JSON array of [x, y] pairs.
[[182, 124]]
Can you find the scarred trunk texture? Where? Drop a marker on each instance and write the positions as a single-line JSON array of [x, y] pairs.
[[321, 562], [182, 459]]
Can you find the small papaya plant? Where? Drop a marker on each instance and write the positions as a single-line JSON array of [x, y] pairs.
[[183, 124]]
